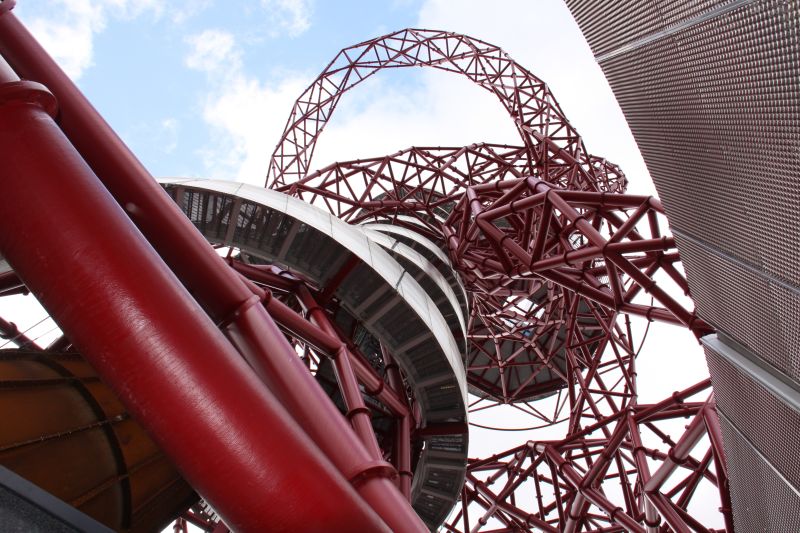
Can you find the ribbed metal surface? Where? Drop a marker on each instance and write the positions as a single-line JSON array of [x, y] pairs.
[[757, 414], [715, 109], [609, 24], [759, 312], [715, 112], [762, 501], [711, 91]]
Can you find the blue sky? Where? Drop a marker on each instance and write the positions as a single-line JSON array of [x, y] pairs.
[[204, 88]]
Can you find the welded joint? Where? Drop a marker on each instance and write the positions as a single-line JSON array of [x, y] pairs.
[[355, 411], [28, 92], [378, 390], [249, 302], [6, 6], [370, 470], [648, 523]]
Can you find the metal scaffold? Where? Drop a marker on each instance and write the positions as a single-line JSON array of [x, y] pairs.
[[307, 355]]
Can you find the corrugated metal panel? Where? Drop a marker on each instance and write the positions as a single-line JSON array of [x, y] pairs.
[[757, 414], [761, 499]]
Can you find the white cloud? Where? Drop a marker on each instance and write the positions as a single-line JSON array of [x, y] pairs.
[[441, 109], [447, 110], [378, 117], [214, 52], [290, 16], [246, 115], [66, 28], [543, 37], [168, 135], [180, 13]]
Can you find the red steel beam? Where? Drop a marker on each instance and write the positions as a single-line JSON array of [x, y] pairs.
[[215, 286], [357, 411], [146, 336], [327, 343]]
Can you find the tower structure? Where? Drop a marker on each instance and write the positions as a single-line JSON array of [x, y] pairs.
[[333, 345]]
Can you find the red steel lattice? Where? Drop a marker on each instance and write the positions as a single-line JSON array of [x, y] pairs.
[[553, 256], [553, 145]]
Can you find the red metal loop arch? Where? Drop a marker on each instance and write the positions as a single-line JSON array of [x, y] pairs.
[[555, 150]]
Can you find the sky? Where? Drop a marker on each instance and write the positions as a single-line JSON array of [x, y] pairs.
[[203, 89]]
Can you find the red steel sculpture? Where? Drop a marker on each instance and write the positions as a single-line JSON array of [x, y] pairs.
[[553, 256], [301, 354]]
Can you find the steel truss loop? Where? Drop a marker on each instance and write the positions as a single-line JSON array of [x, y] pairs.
[[552, 146]]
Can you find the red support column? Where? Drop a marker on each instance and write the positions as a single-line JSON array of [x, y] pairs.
[[215, 286], [372, 477], [144, 334], [357, 411], [402, 441]]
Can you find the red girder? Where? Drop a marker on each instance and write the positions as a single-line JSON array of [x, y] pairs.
[[226, 299]]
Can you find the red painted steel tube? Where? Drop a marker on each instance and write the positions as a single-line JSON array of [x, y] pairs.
[[357, 412], [402, 440], [330, 344], [372, 478], [574, 479], [149, 340], [715, 436], [598, 470], [153, 212], [216, 287], [325, 338], [359, 415], [305, 399], [651, 520], [694, 432], [10, 332], [527, 519]]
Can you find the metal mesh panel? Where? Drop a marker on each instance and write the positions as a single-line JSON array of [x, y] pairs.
[[711, 91], [609, 24], [761, 500], [768, 423], [760, 314], [715, 110]]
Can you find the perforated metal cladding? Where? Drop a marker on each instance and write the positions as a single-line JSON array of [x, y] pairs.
[[715, 110], [608, 24], [714, 105], [769, 424], [761, 500], [760, 314]]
